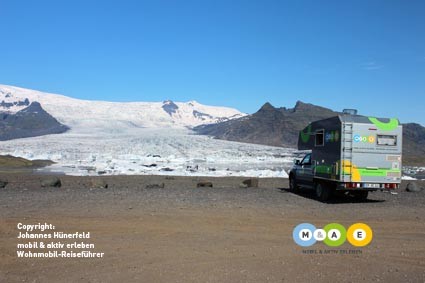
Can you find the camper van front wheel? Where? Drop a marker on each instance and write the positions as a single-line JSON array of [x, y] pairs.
[[323, 192], [293, 183]]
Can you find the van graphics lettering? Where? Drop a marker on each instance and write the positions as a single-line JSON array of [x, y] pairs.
[[332, 136]]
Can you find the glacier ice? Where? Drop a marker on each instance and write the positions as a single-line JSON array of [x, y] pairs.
[[151, 151]]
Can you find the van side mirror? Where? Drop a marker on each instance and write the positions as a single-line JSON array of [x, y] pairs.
[[297, 162]]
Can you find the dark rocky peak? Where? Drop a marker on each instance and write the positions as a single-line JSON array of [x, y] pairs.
[[267, 107], [301, 106], [268, 111], [170, 107], [29, 122], [312, 110], [168, 101], [33, 107]]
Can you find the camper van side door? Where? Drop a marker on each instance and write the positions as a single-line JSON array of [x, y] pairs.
[[305, 175]]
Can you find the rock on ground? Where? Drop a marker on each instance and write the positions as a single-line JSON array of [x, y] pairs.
[[51, 182], [98, 184], [413, 187], [3, 183]]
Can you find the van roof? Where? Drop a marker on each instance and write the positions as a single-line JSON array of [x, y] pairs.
[[365, 119]]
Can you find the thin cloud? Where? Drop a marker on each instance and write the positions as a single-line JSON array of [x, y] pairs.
[[321, 70], [371, 65]]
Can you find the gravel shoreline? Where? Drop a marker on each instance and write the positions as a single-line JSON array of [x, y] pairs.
[[166, 229]]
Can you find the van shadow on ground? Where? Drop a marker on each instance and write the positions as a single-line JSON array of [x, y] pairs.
[[335, 199]]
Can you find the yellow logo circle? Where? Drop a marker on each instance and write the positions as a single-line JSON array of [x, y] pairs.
[[359, 234]]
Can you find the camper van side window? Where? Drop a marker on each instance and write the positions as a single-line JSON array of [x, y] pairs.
[[386, 140], [320, 138]]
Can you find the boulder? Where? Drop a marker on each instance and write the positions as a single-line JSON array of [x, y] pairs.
[[51, 182], [3, 183], [243, 186], [204, 184], [251, 183], [413, 188], [155, 186], [97, 183]]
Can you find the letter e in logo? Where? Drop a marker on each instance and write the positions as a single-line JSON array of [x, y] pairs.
[[359, 234]]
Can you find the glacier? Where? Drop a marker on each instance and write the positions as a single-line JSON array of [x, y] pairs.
[[89, 114], [151, 152], [143, 138]]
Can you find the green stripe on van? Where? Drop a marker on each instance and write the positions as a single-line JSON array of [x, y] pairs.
[[378, 172], [391, 125], [324, 169]]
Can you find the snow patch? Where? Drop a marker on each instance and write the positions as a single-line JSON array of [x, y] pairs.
[[404, 177]]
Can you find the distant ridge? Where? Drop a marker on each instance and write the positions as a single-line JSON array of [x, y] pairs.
[[269, 125], [280, 127]]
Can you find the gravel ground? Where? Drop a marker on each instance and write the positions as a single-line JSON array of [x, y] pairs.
[[165, 229]]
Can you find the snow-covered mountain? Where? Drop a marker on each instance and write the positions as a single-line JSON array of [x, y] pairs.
[[85, 115], [127, 138]]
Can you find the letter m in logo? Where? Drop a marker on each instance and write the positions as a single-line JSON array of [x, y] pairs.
[[305, 234]]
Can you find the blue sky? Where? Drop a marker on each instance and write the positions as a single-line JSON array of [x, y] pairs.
[[368, 55]]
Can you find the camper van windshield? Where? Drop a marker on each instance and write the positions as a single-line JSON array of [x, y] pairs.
[[306, 160]]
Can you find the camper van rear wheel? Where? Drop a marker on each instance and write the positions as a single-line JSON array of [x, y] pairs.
[[360, 195], [323, 192]]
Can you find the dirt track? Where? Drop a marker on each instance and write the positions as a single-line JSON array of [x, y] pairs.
[[181, 233]]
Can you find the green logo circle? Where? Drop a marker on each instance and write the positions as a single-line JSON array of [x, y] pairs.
[[335, 235]]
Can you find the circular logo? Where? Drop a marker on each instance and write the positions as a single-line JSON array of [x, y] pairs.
[[303, 234], [335, 234], [369, 139], [359, 234]]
